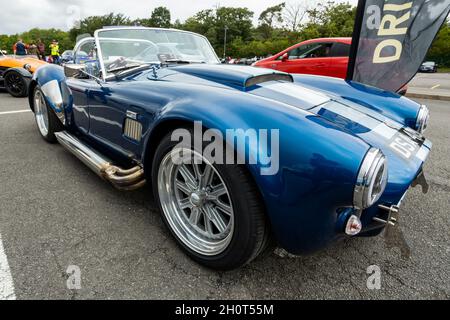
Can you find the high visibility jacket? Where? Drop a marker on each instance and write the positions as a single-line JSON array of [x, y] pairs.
[[55, 49]]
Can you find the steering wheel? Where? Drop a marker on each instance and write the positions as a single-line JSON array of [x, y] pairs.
[[153, 49], [118, 63]]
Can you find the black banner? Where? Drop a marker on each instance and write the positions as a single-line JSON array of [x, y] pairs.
[[391, 39]]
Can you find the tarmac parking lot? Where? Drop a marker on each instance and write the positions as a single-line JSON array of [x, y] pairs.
[[56, 213]]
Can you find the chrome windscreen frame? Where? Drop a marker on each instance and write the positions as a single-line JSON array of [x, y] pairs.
[[99, 49]]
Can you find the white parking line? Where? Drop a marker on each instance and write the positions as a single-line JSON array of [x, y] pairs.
[[6, 281], [435, 87], [13, 112]]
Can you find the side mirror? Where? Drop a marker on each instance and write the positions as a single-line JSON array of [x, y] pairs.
[[285, 57], [75, 71]]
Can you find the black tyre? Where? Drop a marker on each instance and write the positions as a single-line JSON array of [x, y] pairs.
[[46, 120], [16, 84], [214, 211]]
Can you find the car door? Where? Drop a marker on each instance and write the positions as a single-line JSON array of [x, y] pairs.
[[110, 113], [340, 53], [312, 58], [80, 87]]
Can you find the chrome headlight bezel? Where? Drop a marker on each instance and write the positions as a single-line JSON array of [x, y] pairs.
[[422, 119], [372, 180]]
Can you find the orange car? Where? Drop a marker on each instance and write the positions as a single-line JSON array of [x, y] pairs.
[[16, 73]]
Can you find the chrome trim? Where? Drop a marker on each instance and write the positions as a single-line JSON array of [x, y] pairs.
[[392, 219], [122, 179], [41, 112], [132, 129], [422, 119], [363, 196], [52, 92]]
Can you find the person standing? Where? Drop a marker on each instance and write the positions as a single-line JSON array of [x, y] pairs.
[[54, 48], [33, 50], [41, 50], [20, 48]]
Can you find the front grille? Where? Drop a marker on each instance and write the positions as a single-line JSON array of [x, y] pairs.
[[132, 129]]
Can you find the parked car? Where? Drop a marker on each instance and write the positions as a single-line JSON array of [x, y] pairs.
[[429, 66], [343, 155], [67, 56], [324, 57], [16, 73]]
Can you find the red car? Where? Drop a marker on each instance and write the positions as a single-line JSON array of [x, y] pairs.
[[323, 57]]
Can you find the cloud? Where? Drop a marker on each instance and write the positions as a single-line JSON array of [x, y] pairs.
[[21, 15]]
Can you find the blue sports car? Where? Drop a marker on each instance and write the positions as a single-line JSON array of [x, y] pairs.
[[238, 158]]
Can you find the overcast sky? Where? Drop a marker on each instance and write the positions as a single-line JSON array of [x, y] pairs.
[[21, 15]]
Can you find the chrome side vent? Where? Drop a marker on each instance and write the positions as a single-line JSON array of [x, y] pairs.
[[132, 129]]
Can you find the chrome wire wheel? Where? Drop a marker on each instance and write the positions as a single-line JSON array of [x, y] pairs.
[[195, 202], [41, 112]]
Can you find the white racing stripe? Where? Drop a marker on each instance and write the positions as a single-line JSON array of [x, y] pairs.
[[376, 126], [14, 112], [6, 281]]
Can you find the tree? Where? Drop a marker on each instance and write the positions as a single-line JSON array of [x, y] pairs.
[[90, 24], [160, 18], [440, 50], [7, 42], [330, 20], [47, 35], [269, 19], [212, 22], [295, 13]]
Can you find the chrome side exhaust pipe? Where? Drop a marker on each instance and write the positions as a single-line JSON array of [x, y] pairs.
[[122, 179]]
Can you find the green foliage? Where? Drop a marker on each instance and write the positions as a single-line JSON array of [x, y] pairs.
[[440, 51], [7, 42], [330, 20], [161, 18], [32, 36], [270, 19], [212, 24], [90, 24]]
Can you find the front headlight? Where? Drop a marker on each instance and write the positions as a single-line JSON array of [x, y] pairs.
[[422, 119], [27, 67], [372, 180]]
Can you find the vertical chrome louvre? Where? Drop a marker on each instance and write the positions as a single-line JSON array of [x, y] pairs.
[[132, 129]]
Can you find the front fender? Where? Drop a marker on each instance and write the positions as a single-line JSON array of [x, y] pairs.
[[51, 80], [316, 176]]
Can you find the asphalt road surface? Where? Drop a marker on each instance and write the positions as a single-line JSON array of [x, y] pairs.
[[431, 81], [56, 213]]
